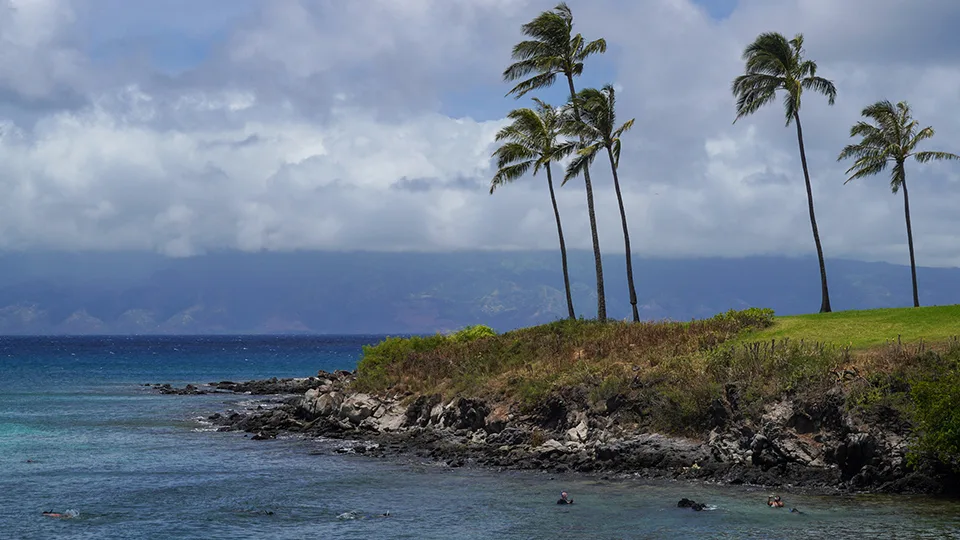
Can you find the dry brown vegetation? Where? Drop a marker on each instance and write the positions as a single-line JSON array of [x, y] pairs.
[[670, 372]]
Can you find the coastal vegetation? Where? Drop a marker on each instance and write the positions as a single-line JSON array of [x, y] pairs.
[[671, 374]]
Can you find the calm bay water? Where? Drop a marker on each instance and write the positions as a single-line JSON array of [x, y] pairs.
[[139, 465]]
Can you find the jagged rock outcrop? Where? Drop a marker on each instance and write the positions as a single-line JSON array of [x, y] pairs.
[[794, 443]]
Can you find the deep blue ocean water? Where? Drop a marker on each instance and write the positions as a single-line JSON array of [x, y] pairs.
[[136, 464]]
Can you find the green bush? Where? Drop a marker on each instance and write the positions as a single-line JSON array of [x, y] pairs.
[[937, 415], [392, 352], [753, 318], [471, 333]]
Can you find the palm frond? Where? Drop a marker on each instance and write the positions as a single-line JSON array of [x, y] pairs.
[[508, 174], [623, 128], [513, 153], [543, 80], [564, 149], [897, 175], [583, 159], [866, 130], [769, 54], [753, 91], [597, 46], [529, 49], [821, 86], [924, 157], [921, 135], [862, 170], [615, 150], [861, 151], [791, 105]]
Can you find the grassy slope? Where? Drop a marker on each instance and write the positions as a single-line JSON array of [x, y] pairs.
[[863, 329]]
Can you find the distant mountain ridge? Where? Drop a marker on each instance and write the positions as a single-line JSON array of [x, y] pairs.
[[363, 292]]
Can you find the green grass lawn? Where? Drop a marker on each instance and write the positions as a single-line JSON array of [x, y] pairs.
[[861, 329]]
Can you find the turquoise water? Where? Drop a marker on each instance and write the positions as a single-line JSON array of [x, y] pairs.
[[139, 465]]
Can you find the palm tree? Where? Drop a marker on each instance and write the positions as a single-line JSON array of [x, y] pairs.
[[532, 142], [891, 138], [772, 64], [597, 129], [553, 50]]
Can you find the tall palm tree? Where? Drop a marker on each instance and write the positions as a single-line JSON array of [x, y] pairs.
[[597, 129], [772, 64], [552, 49], [892, 137], [531, 141]]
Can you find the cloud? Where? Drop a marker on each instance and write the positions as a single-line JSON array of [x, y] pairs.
[[289, 124]]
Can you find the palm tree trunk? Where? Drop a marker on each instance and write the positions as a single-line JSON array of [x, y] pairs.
[[824, 292], [563, 246], [626, 238], [601, 297], [913, 262]]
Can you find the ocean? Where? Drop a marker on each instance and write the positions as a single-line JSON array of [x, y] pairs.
[[79, 432]]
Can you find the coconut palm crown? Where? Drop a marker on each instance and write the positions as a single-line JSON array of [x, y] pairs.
[[551, 50], [774, 64], [597, 128], [532, 142]]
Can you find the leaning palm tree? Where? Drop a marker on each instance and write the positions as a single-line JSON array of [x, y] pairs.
[[772, 64], [892, 137], [597, 129], [532, 142], [553, 50]]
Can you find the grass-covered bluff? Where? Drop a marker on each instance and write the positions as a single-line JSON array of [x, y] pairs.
[[901, 360]]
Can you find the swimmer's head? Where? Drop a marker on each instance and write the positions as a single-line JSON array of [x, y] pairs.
[[563, 494]]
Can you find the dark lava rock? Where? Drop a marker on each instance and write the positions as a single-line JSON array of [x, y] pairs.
[[688, 503], [187, 390]]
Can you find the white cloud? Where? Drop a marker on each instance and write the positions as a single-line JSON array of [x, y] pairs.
[[323, 126]]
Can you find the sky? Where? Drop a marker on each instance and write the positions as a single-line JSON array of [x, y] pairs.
[[185, 127]]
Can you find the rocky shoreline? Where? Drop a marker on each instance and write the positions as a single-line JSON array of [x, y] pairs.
[[813, 446]]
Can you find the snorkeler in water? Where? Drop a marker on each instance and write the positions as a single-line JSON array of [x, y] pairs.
[[564, 498], [62, 515], [774, 501]]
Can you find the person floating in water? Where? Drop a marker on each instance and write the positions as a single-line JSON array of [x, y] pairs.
[[62, 515], [564, 498], [774, 501]]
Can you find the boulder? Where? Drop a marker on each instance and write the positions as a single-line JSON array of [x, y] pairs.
[[358, 407], [578, 433], [551, 447], [315, 404]]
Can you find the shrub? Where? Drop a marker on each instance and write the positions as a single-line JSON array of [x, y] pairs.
[[750, 318], [936, 415], [471, 333], [391, 352]]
